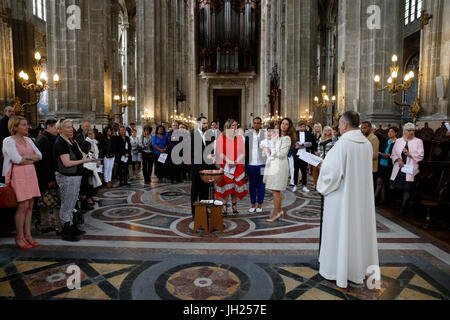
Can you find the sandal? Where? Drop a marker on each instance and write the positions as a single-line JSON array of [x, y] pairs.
[[235, 211], [25, 246], [32, 242]]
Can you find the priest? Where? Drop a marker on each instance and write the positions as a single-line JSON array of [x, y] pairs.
[[349, 235]]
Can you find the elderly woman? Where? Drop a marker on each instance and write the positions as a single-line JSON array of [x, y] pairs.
[[407, 153], [231, 157], [20, 154]]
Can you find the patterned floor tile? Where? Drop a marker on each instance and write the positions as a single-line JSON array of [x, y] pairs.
[[392, 272], [24, 266], [105, 268], [316, 294], [117, 280], [49, 280], [91, 292], [304, 272], [290, 283], [6, 290], [420, 282], [409, 294]]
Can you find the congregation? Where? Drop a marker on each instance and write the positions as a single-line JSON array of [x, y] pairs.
[[60, 162]]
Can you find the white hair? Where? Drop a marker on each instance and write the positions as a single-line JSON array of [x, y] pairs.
[[409, 127], [6, 108], [62, 122]]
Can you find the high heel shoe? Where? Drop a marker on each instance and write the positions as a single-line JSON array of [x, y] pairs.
[[32, 242], [235, 210], [25, 246], [277, 217]]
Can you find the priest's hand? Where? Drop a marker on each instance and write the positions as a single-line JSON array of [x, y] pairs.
[[401, 164]]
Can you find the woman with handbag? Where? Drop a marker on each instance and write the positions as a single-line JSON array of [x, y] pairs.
[[69, 162], [20, 154]]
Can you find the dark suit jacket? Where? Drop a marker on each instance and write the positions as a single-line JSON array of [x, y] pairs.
[[196, 152], [4, 132], [309, 137], [45, 169], [84, 145], [120, 148]]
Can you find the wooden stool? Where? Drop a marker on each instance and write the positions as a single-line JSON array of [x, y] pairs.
[[216, 218], [429, 204], [201, 217]]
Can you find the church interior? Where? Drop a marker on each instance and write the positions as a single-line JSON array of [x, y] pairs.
[[145, 62]]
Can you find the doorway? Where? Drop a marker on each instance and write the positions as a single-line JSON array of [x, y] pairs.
[[227, 105]]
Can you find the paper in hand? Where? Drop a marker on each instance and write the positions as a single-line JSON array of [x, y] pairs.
[[408, 169], [124, 159], [310, 158], [163, 158]]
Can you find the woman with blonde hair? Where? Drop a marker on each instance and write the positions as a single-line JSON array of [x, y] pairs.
[[20, 154], [407, 152], [230, 150], [277, 170], [69, 163]]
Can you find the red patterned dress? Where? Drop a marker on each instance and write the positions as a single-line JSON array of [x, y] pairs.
[[231, 184]]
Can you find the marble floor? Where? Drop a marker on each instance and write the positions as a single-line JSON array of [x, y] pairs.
[[140, 245]]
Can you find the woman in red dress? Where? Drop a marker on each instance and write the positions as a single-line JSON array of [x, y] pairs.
[[230, 155]]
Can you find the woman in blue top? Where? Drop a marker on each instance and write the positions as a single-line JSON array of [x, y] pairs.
[[385, 165], [160, 146]]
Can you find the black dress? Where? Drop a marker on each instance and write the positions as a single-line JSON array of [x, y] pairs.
[[400, 182]]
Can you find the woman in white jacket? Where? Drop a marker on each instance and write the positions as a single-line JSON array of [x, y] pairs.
[[277, 170], [20, 154]]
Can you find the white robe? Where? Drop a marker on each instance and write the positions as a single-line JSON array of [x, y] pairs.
[[349, 234]]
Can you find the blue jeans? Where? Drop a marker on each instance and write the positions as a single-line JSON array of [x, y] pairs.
[[257, 187]]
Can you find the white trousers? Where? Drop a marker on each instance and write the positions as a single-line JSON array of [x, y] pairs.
[[291, 167], [108, 166]]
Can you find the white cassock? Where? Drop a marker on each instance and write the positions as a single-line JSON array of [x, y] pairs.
[[349, 232]]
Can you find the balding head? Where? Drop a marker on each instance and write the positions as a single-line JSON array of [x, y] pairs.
[[349, 121]]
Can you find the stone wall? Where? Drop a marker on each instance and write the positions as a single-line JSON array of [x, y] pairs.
[[6, 55]]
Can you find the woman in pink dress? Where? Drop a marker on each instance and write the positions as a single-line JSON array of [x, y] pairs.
[[20, 154]]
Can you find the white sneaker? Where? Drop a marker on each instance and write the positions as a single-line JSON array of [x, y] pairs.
[[252, 210], [294, 189], [305, 189], [259, 210]]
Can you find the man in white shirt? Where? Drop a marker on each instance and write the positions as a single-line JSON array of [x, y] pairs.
[[306, 143], [255, 164], [215, 129]]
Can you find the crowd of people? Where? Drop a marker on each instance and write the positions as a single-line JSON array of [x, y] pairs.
[[70, 165]]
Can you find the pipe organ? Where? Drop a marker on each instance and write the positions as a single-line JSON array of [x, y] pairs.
[[227, 33]]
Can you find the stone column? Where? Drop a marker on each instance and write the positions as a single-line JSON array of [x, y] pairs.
[[6, 55], [300, 63], [23, 52], [78, 56], [377, 49], [435, 65]]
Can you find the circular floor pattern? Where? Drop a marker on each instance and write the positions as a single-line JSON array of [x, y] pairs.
[[202, 281]]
